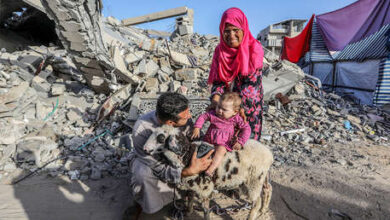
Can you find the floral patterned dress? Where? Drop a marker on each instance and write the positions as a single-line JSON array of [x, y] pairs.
[[250, 89]]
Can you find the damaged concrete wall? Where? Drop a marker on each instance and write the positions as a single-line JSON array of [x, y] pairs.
[[78, 25]]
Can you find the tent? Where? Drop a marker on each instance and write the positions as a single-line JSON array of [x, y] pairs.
[[349, 51]]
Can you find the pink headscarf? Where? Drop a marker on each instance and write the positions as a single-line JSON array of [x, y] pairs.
[[229, 62]]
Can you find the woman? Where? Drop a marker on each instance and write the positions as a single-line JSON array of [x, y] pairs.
[[236, 67]]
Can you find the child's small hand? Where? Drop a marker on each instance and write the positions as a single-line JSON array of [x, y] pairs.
[[195, 133], [242, 114], [237, 146]]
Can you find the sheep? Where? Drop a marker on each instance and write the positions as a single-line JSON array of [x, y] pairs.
[[247, 169]]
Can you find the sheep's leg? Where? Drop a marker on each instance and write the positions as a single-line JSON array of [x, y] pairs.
[[255, 209], [266, 195], [206, 208], [255, 186], [190, 205]]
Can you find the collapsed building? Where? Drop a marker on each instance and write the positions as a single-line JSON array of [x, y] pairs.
[[67, 106]]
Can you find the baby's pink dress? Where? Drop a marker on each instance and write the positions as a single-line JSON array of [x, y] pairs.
[[221, 131]]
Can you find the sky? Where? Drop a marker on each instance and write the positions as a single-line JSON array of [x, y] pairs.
[[207, 13]]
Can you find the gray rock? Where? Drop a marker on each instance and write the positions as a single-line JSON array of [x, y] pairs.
[[186, 74], [96, 174], [134, 57], [151, 85], [57, 89], [40, 85]]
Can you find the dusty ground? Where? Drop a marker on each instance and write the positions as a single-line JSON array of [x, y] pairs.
[[359, 188]]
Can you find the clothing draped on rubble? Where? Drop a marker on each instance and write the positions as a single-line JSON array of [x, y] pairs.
[[295, 47], [251, 92], [150, 177], [353, 22]]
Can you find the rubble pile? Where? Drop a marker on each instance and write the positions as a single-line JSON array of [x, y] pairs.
[[45, 106], [303, 130], [49, 113], [159, 65]]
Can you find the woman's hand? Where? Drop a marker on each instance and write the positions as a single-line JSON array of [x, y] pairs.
[[195, 133], [242, 114]]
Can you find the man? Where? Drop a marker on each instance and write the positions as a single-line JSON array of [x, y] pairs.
[[150, 177]]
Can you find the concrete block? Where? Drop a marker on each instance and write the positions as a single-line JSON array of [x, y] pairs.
[[40, 85], [134, 57], [25, 75], [162, 77], [122, 68], [185, 30], [200, 52], [151, 84], [167, 69], [186, 74], [146, 69], [57, 89], [7, 58], [163, 87], [174, 86], [180, 58]]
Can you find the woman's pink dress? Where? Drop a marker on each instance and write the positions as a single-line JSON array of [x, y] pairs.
[[221, 131]]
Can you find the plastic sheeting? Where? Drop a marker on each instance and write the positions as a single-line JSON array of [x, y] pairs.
[[323, 71], [353, 22], [361, 76]]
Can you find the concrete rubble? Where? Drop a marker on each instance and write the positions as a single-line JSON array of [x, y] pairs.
[[76, 103]]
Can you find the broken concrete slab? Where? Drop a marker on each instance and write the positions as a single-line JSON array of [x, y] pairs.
[[146, 69], [40, 85], [281, 79], [155, 16], [14, 93], [134, 57]]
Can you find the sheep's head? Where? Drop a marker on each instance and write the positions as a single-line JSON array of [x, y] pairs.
[[165, 138]]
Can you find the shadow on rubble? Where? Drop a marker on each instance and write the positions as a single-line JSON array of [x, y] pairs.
[[44, 197], [342, 202]]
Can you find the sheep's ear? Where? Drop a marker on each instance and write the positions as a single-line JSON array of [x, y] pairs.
[[171, 141], [161, 138]]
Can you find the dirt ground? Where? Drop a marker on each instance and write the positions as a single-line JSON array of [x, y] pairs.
[[359, 188]]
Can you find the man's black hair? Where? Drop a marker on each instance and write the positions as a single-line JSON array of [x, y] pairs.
[[169, 105]]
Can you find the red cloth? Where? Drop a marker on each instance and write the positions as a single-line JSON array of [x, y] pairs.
[[296, 47], [229, 62]]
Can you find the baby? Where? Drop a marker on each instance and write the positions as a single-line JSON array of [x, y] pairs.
[[223, 122]]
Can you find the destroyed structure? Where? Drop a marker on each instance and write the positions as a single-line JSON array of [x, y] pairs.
[[67, 107], [272, 36]]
